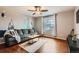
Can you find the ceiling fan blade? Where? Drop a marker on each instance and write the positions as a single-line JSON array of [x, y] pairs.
[[31, 10], [44, 10]]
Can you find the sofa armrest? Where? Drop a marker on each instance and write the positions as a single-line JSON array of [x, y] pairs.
[[9, 40]]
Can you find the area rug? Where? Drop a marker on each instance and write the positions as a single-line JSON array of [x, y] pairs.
[[34, 47]]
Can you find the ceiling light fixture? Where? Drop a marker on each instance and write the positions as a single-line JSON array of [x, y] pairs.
[[38, 10]]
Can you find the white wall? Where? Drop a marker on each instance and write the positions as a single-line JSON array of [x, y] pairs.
[[65, 23], [19, 20], [38, 24]]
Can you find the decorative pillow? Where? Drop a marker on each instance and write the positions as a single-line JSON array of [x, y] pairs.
[[12, 32], [32, 30], [29, 31], [20, 32], [25, 31]]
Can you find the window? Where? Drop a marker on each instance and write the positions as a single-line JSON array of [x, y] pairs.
[[49, 25]]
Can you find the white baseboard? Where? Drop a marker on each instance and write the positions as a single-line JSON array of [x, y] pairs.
[[62, 38]]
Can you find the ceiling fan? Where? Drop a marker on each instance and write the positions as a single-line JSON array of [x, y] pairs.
[[38, 10]]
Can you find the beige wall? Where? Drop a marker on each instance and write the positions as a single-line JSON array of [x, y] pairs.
[[65, 23]]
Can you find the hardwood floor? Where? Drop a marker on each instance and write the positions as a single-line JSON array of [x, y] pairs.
[[51, 46], [54, 46]]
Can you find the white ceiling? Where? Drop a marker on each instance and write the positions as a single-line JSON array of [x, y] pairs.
[[24, 9]]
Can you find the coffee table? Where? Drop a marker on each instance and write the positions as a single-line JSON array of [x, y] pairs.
[[34, 47], [32, 40]]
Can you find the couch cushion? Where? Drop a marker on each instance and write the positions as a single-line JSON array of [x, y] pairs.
[[25, 39], [2, 33], [25, 31], [20, 32], [32, 31]]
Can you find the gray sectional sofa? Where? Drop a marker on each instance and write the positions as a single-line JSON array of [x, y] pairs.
[[23, 34]]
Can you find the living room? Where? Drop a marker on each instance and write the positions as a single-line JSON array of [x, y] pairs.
[[39, 24]]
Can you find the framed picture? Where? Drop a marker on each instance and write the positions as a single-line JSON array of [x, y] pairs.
[[77, 16]]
